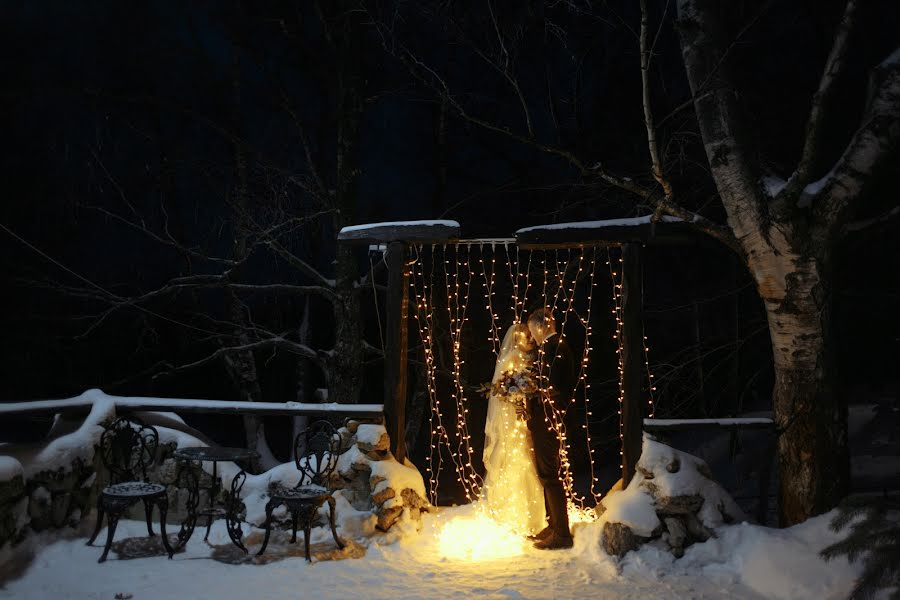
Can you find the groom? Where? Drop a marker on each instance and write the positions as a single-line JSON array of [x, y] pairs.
[[556, 363]]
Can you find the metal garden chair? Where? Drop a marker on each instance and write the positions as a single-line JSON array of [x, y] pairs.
[[316, 452], [127, 449]]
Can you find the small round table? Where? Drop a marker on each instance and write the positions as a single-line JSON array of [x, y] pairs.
[[228, 509]]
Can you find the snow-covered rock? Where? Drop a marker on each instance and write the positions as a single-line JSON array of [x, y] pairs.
[[671, 497], [13, 499], [372, 479]]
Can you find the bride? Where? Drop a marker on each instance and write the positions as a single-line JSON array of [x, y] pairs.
[[512, 493]]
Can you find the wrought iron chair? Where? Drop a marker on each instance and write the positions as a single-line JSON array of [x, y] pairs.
[[316, 452], [127, 449]]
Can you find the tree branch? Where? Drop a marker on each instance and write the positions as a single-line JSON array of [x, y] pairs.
[[656, 165], [720, 118], [275, 342], [834, 66], [166, 241], [867, 151], [865, 225]]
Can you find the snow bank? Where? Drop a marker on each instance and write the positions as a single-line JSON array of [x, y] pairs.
[[62, 452], [746, 562], [777, 563]]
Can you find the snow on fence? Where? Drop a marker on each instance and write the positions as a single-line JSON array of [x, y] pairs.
[[729, 423], [85, 401]]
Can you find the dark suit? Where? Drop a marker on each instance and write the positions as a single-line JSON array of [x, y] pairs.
[[559, 366]]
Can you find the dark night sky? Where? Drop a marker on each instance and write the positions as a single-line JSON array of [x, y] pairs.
[[109, 106]]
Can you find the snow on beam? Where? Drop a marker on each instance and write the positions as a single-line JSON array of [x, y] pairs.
[[682, 424], [616, 231], [84, 402], [421, 232]]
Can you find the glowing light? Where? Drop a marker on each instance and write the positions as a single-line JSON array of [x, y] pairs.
[[478, 537], [450, 437], [580, 514]]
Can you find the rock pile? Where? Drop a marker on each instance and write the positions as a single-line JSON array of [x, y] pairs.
[[672, 498], [372, 479], [13, 500]]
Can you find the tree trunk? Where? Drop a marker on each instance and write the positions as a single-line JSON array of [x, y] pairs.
[[301, 422], [787, 255], [241, 366], [345, 359], [347, 32], [810, 417]]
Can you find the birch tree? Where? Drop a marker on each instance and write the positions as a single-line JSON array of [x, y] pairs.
[[784, 232], [787, 233]]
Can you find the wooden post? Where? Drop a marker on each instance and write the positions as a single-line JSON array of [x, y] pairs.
[[396, 346], [632, 360]]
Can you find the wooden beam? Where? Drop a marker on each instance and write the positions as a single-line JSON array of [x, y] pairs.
[[693, 424], [668, 230], [632, 360], [183, 405], [396, 347], [412, 232]]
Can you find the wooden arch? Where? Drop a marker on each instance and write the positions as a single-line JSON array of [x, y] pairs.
[[629, 234]]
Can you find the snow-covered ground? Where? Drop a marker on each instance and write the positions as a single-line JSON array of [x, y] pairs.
[[746, 561]]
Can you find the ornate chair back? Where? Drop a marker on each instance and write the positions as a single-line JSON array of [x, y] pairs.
[[316, 452], [127, 449]]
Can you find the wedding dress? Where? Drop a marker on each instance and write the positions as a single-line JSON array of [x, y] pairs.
[[512, 492]]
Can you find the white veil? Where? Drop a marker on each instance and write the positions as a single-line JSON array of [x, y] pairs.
[[512, 492]]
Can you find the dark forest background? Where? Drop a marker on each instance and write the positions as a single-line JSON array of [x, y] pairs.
[[154, 141]]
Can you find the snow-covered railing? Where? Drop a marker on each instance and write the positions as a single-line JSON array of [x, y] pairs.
[[85, 401], [420, 232], [609, 232], [725, 423]]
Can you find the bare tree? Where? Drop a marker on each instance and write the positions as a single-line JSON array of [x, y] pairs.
[[268, 212]]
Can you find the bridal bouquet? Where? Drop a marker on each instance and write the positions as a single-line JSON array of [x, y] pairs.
[[513, 387]]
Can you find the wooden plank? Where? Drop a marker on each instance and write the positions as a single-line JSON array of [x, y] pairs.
[[692, 424], [396, 347], [611, 232], [180, 405], [632, 360], [413, 232]]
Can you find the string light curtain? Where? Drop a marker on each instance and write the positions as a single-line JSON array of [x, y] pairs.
[[444, 280]]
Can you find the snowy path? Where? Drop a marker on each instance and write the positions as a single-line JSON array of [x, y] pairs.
[[413, 568]]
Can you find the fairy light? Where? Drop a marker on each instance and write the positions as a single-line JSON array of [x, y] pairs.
[[617, 312], [458, 277], [424, 307], [488, 282], [522, 315], [462, 457], [651, 385], [554, 415], [475, 481], [582, 374], [514, 280]]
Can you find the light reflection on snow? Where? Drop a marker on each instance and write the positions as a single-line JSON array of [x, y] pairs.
[[478, 537]]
